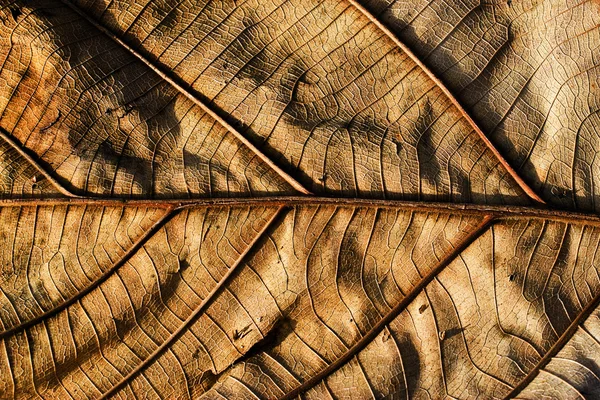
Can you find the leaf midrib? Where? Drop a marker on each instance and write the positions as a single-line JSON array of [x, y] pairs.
[[497, 211]]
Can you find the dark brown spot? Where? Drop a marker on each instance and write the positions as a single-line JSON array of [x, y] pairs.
[[241, 333], [183, 265], [54, 121]]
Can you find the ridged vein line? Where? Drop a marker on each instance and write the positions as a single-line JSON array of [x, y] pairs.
[[497, 211], [169, 213], [556, 347]]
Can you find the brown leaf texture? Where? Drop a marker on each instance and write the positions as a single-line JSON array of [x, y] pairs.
[[299, 199]]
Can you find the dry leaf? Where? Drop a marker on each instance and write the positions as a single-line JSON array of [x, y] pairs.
[[281, 199]]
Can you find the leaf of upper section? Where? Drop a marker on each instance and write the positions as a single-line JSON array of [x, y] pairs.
[[528, 71], [321, 91], [103, 123], [19, 178]]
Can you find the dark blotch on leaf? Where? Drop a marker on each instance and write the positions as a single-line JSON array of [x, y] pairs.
[[410, 357], [122, 326], [208, 379], [449, 333], [183, 265], [426, 148], [398, 148]]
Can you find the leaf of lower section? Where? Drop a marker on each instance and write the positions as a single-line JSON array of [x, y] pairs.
[[475, 332]]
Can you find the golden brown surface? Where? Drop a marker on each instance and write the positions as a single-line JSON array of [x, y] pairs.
[[313, 199]]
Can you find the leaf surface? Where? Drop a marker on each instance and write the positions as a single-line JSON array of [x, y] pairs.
[[527, 71], [291, 199]]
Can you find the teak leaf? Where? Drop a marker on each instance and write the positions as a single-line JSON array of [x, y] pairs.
[[299, 199]]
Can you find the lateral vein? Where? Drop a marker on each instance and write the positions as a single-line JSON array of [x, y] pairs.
[[194, 98], [393, 313], [170, 212], [522, 184], [556, 347], [197, 311], [32, 161]]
